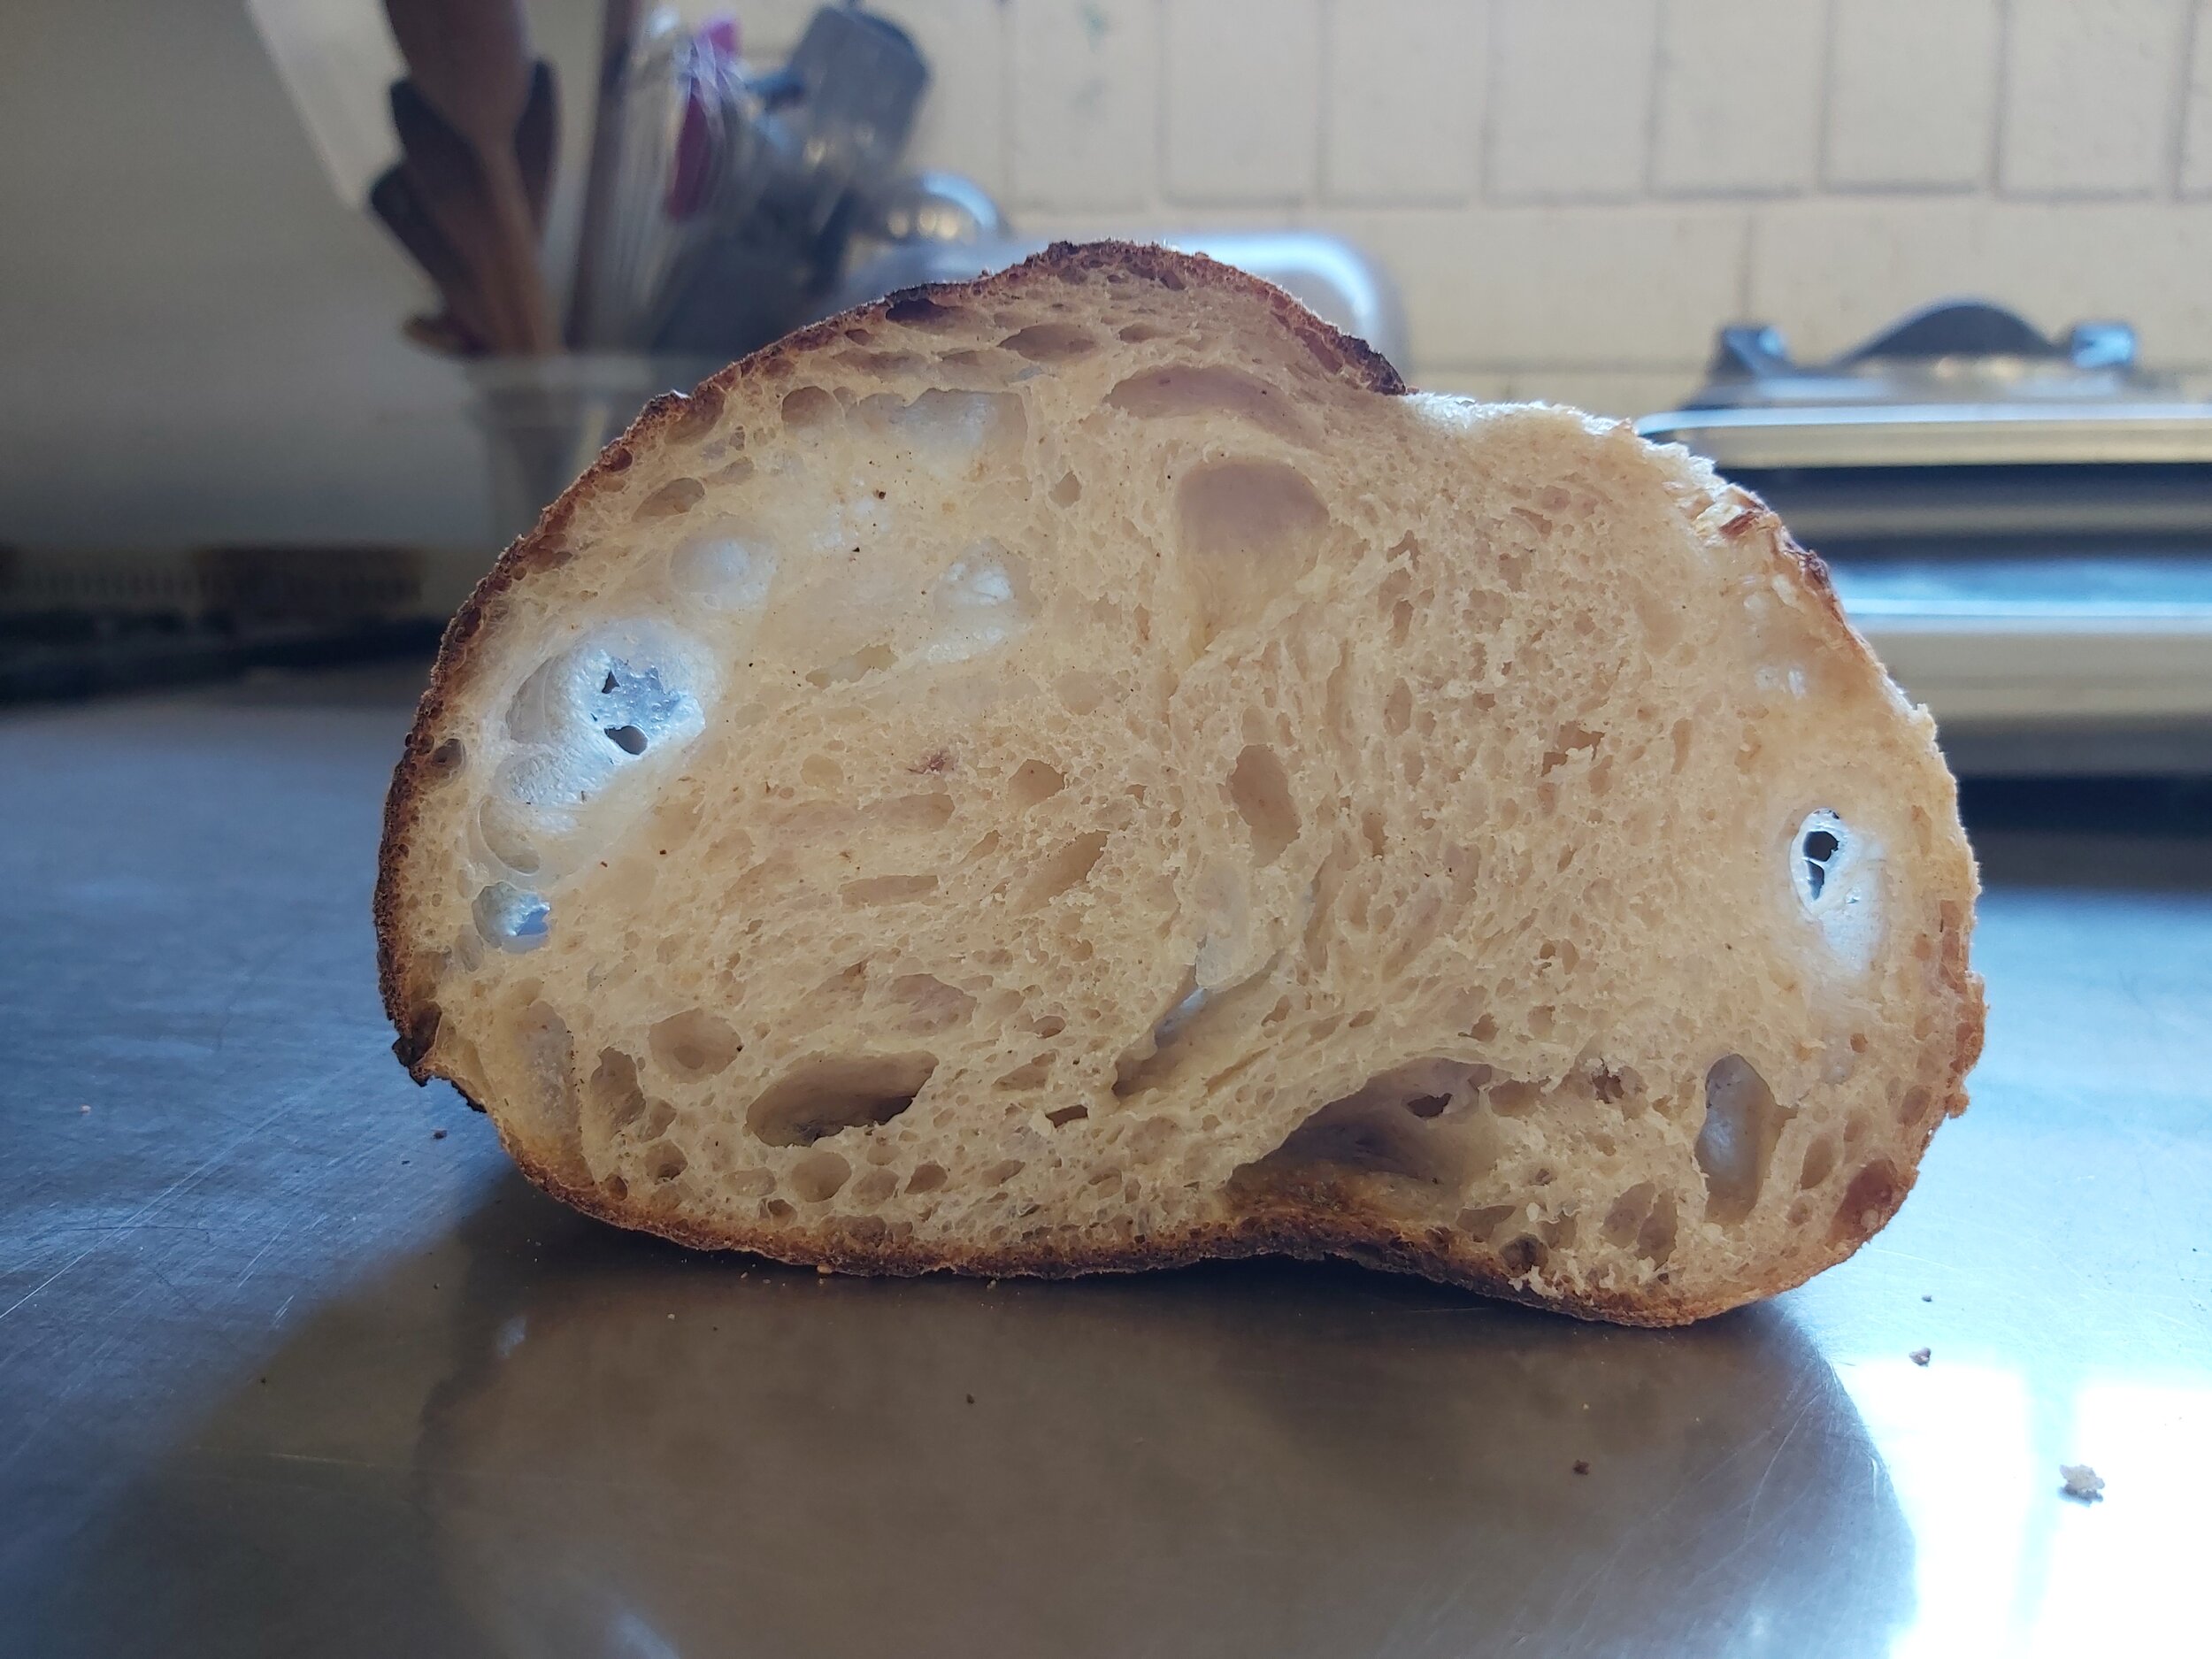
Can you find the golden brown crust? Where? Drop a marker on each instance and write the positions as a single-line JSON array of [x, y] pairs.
[[1306, 1224], [1311, 1233]]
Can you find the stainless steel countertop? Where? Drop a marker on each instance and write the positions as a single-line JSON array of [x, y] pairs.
[[281, 1372]]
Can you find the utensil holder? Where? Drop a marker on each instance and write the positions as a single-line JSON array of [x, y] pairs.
[[545, 419]]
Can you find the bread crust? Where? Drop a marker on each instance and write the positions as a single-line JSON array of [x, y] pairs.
[[1312, 1223]]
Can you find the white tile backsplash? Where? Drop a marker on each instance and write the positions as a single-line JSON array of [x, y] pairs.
[[1573, 194], [1243, 91], [1517, 287], [1570, 87], [1083, 86], [962, 123], [1739, 94], [1912, 95], [1403, 90], [2090, 90], [2196, 133]]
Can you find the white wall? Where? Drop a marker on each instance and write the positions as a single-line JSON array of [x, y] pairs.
[[199, 343]]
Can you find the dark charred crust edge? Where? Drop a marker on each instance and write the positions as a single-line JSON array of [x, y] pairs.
[[1306, 1233]]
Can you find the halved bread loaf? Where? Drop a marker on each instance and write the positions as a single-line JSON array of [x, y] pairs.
[[1082, 770]]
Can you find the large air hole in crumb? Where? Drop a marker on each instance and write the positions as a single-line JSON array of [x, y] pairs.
[[1820, 1162], [874, 890], [1081, 692], [952, 433], [671, 499], [875, 1187], [725, 567], [1874, 1194], [927, 1178], [981, 602], [870, 659], [1259, 788], [1030, 1074], [583, 717], [613, 1090], [1201, 1033], [1035, 780], [1250, 530], [1743, 1120], [809, 408], [1479, 1224], [1050, 343], [1069, 867], [1206, 390], [823, 1095], [694, 1043], [511, 918], [445, 760], [816, 1177], [918, 814], [927, 1005], [1819, 842], [1642, 1219], [547, 1050], [1393, 1126], [1836, 871]]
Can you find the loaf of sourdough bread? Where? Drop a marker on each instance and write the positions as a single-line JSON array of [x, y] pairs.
[[1083, 770]]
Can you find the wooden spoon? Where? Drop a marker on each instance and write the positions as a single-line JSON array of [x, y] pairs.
[[440, 172], [470, 60], [535, 136], [393, 199]]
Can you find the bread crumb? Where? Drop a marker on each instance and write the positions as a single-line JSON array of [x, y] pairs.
[[1927, 1298], [1582, 1465], [2082, 1483], [437, 1135], [83, 1111], [1921, 1356], [971, 1398]]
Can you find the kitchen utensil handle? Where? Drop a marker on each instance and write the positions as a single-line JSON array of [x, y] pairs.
[[618, 30]]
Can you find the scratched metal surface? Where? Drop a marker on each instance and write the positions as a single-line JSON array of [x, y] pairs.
[[282, 1373]]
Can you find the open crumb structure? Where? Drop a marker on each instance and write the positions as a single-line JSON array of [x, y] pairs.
[[1082, 769]]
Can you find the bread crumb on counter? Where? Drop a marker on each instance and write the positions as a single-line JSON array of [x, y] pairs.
[[1921, 1356], [2082, 1483]]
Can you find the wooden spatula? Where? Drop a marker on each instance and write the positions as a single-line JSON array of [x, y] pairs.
[[537, 135], [469, 60], [392, 198]]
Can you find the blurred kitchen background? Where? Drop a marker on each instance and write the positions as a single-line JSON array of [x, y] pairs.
[[218, 447]]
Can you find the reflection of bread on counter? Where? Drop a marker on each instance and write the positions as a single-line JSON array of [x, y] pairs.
[[1262, 1463], [1082, 770]]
